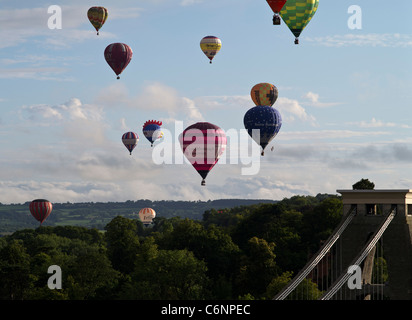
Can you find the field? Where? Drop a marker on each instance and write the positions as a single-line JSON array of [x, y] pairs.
[[96, 215]]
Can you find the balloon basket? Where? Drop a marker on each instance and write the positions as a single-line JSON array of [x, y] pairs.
[[276, 20]]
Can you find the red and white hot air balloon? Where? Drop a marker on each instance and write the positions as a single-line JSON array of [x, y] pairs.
[[40, 209]]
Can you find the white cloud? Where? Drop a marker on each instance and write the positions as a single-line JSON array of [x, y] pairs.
[[392, 40], [153, 96], [42, 73], [379, 124], [72, 110], [328, 134], [291, 110], [22, 25], [189, 2], [313, 99]]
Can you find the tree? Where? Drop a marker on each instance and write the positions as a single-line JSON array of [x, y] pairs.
[[15, 277], [258, 268], [211, 245], [167, 275], [363, 184], [122, 243], [91, 276]]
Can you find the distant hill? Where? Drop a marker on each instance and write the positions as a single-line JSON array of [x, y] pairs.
[[97, 214]]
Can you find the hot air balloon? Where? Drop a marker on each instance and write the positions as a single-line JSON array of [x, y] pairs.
[[297, 14], [130, 140], [97, 17], [118, 56], [210, 46], [40, 209], [264, 94], [147, 215], [152, 130], [203, 143], [276, 6], [267, 120]]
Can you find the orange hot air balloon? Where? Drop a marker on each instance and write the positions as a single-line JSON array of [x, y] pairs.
[[264, 94]]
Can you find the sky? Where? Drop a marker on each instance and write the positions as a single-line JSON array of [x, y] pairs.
[[344, 96]]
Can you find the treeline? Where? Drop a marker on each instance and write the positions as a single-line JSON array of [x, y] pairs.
[[246, 252], [97, 214]]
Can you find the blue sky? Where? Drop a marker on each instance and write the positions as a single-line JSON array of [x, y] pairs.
[[344, 95]]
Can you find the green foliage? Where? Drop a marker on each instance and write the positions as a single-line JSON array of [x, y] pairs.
[[241, 252], [122, 243], [363, 184]]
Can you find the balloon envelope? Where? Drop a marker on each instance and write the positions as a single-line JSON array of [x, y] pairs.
[[264, 94], [130, 140], [146, 215], [210, 46], [276, 5], [203, 143], [262, 124], [40, 209], [118, 56], [97, 17], [152, 130], [297, 14]]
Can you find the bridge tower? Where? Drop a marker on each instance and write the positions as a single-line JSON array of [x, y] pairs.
[[372, 207], [367, 215]]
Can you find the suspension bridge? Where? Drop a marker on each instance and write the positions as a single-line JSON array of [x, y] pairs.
[[374, 237]]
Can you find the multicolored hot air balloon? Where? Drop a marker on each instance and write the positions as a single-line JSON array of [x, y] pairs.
[[97, 17], [118, 56], [130, 140], [264, 94], [266, 120], [210, 46], [297, 14], [203, 143], [146, 215], [276, 6], [40, 209], [152, 130]]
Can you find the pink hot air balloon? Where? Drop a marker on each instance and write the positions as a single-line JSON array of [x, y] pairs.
[[118, 56], [203, 143]]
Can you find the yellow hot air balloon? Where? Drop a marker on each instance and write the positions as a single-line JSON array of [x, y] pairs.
[[97, 17], [210, 46]]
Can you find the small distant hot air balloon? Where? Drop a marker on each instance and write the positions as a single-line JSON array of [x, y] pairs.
[[210, 46], [147, 215], [118, 56], [276, 6], [152, 130], [297, 14], [265, 119], [202, 144], [130, 140], [40, 209], [97, 17], [264, 94]]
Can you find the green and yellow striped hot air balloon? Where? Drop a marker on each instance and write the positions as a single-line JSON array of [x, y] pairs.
[[297, 14], [97, 17]]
